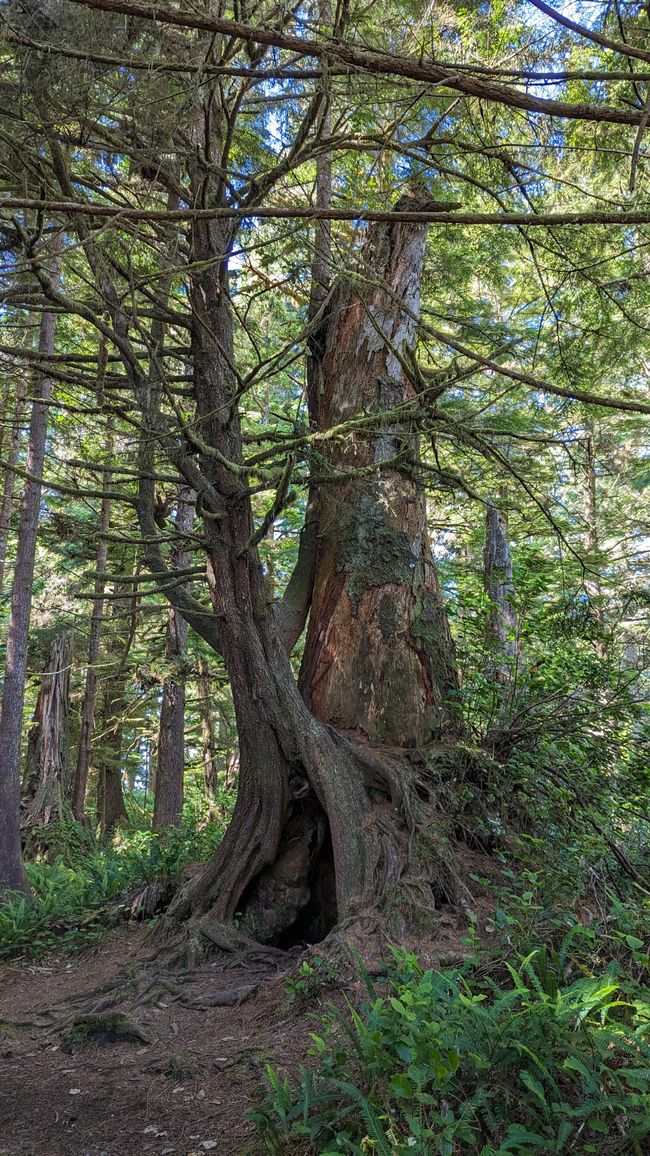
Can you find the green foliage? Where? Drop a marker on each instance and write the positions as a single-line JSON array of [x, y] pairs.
[[83, 886], [310, 980], [441, 1062]]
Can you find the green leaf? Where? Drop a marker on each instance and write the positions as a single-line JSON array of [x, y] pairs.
[[535, 1087], [401, 1086]]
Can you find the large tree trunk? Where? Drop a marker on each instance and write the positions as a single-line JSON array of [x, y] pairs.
[[323, 827], [378, 659], [45, 781], [168, 798], [12, 872]]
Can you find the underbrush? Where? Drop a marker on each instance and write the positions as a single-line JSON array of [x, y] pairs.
[[452, 1062], [81, 886]]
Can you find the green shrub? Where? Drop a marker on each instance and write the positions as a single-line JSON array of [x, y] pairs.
[[78, 884], [439, 1064], [311, 979]]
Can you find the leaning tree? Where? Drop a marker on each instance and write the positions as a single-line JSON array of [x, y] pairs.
[[158, 173]]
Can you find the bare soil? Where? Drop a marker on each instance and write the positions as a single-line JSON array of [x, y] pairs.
[[185, 1092], [186, 1087]]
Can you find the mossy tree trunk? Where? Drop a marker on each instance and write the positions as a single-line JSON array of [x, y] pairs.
[[323, 826], [501, 623], [379, 659]]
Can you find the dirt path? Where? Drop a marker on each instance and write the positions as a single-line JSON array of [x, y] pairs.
[[185, 1091]]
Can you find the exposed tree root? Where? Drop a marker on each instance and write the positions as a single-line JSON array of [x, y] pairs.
[[221, 998], [407, 839], [84, 1028]]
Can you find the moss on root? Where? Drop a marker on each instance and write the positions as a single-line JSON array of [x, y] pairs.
[[102, 1027]]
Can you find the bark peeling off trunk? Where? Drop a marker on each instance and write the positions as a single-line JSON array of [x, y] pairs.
[[46, 769], [379, 658]]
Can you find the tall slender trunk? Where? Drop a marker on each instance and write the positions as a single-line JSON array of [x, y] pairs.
[[12, 872], [45, 781], [168, 799], [84, 749], [208, 745], [592, 579], [14, 417], [501, 624], [111, 808]]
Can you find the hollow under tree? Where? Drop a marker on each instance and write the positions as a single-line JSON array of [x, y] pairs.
[[329, 803]]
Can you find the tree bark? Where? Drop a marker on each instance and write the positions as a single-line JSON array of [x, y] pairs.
[[14, 417], [378, 659], [111, 808], [501, 624], [45, 781], [313, 804], [208, 745], [168, 798], [12, 872]]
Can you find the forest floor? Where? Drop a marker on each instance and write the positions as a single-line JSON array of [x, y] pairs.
[[193, 1064], [185, 1091]]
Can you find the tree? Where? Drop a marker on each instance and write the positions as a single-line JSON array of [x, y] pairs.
[[12, 872], [11, 425], [45, 782], [336, 803], [501, 626], [111, 808], [84, 749], [208, 743], [168, 795]]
